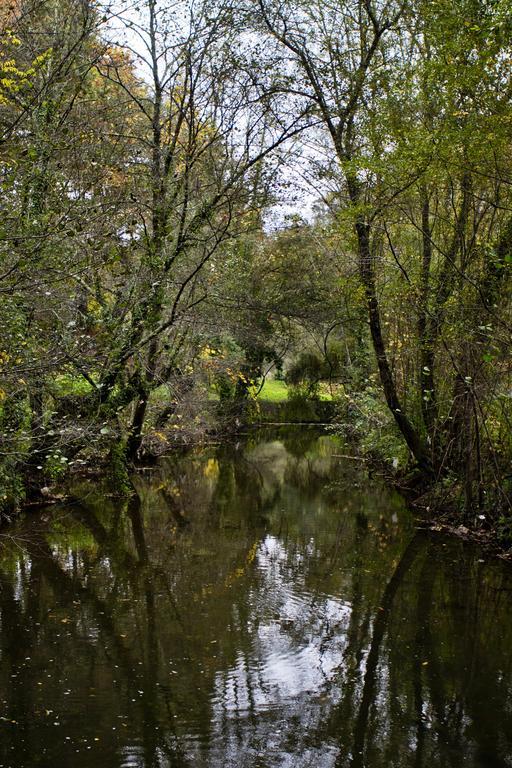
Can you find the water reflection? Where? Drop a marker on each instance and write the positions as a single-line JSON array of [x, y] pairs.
[[255, 605]]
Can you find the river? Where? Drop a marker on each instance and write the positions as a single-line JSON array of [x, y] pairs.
[[259, 604]]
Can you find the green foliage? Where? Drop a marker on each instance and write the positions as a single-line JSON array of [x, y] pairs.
[[303, 391], [364, 416], [301, 404], [12, 489], [70, 384], [55, 466], [306, 370], [142, 270], [311, 368]]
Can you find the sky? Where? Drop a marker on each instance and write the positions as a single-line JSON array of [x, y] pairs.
[[298, 194]]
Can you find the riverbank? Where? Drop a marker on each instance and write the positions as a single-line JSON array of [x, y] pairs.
[[440, 512], [486, 540], [428, 516]]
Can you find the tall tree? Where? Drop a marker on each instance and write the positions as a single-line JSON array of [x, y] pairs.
[[338, 51]]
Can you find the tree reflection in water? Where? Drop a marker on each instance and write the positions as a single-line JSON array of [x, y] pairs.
[[255, 605]]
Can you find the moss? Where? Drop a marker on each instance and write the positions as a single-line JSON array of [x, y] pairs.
[[118, 469]]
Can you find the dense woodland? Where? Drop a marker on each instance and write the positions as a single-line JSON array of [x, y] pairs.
[[199, 196]]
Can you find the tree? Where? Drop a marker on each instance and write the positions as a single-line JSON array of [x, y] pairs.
[[126, 170], [47, 197], [337, 51], [412, 105], [205, 127]]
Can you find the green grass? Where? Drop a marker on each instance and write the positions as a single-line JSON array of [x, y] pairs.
[[274, 391], [325, 395]]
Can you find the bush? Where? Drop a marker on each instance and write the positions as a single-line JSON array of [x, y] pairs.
[[365, 417]]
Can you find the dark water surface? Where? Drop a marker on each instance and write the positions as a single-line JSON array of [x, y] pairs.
[[257, 605]]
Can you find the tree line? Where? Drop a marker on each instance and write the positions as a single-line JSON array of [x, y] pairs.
[[142, 154]]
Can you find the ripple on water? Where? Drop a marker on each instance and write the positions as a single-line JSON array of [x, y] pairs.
[[131, 756], [296, 640]]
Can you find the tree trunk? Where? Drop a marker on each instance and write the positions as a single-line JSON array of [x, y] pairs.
[[427, 356], [366, 269], [134, 442]]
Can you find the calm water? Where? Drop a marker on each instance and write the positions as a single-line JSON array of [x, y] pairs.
[[262, 604]]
